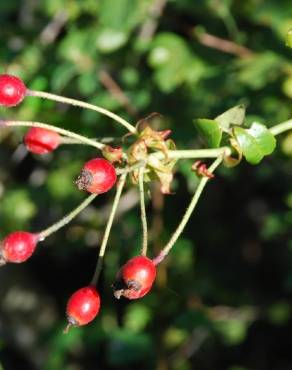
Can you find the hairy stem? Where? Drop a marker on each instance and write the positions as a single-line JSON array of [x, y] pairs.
[[108, 229], [80, 138], [143, 212], [192, 153], [129, 169], [187, 214], [281, 127], [65, 220], [81, 104]]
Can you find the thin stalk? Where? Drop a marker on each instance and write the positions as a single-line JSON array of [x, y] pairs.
[[81, 104], [65, 220], [129, 169], [177, 154], [69, 140], [187, 214], [281, 127], [192, 153], [82, 139], [143, 212], [108, 229]]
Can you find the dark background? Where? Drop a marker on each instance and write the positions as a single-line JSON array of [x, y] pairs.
[[222, 299]]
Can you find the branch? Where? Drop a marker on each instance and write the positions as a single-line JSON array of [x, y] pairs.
[[187, 214], [115, 90], [81, 104], [224, 45]]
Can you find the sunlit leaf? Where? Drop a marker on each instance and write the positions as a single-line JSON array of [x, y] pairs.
[[263, 137], [210, 131], [233, 116], [249, 146], [255, 142], [289, 38]]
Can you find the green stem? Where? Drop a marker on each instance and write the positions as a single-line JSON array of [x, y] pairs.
[[281, 127], [143, 212], [81, 104], [108, 229], [187, 214], [177, 154], [192, 153], [69, 140], [65, 220], [61, 131], [129, 169]]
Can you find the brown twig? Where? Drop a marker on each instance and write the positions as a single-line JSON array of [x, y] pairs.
[[115, 90], [149, 27], [224, 45], [53, 28]]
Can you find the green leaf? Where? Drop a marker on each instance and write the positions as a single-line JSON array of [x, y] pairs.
[[117, 19], [17, 208], [263, 137], [122, 15], [255, 142], [259, 71], [249, 146], [173, 62], [137, 317], [110, 40], [289, 39], [62, 75], [233, 116], [210, 131], [233, 331]]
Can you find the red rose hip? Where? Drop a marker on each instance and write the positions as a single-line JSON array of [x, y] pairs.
[[41, 141], [97, 176], [82, 307], [12, 90], [135, 278], [17, 247]]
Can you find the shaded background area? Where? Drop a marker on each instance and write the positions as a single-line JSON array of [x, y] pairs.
[[222, 299]]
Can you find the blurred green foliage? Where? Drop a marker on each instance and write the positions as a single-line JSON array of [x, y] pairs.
[[222, 300]]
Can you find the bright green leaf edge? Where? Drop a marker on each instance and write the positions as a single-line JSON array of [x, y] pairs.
[[233, 116], [249, 146], [255, 142], [210, 131], [263, 137]]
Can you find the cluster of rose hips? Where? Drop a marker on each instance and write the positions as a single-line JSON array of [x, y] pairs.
[[98, 175]]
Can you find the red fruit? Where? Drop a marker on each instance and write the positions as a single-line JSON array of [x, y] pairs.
[[82, 306], [135, 278], [17, 247], [41, 141], [97, 176], [12, 90]]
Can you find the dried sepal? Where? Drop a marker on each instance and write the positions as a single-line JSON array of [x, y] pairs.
[[201, 170]]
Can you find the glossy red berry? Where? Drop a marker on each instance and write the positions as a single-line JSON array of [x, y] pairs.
[[82, 306], [12, 90], [97, 176], [41, 141], [17, 247], [135, 278]]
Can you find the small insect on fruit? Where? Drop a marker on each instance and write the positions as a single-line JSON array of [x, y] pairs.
[[97, 176], [41, 141], [82, 307], [135, 278], [12, 90]]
